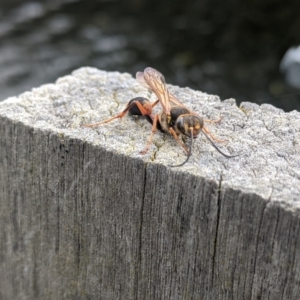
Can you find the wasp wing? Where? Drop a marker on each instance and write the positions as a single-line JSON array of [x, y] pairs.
[[175, 101], [141, 80], [155, 81]]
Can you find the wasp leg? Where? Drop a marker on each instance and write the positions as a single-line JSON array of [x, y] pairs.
[[142, 110], [150, 118], [212, 136], [175, 136], [155, 103], [154, 127]]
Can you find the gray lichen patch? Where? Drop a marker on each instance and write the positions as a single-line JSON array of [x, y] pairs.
[[266, 137]]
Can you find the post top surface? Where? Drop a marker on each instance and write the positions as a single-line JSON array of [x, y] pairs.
[[267, 137]]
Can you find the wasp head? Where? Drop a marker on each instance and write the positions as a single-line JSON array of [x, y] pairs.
[[189, 125]]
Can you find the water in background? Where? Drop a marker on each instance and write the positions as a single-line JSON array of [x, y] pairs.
[[233, 51]]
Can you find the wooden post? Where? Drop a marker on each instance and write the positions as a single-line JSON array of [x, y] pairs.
[[84, 216]]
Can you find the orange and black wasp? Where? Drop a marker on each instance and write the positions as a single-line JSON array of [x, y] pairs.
[[174, 118]]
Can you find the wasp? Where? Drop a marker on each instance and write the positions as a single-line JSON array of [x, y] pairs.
[[174, 118]]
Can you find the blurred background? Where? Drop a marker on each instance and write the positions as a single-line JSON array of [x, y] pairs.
[[232, 48]]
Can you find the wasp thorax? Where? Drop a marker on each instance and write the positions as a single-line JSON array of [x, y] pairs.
[[189, 125]]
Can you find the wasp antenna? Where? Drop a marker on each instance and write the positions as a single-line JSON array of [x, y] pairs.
[[215, 146], [189, 153]]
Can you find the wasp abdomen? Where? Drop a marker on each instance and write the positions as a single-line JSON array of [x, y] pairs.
[[134, 110]]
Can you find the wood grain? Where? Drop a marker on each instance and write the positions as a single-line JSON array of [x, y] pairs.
[[84, 216]]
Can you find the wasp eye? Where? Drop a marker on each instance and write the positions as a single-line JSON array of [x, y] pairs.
[[180, 124]]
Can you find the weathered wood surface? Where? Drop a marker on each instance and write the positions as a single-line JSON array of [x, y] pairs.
[[84, 216]]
